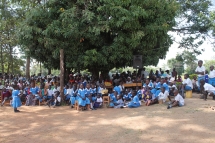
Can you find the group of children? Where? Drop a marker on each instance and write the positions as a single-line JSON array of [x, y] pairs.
[[89, 95]]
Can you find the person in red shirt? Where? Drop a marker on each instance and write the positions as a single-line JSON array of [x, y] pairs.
[[5, 95]]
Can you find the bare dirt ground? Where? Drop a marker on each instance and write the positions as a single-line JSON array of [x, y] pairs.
[[193, 123]]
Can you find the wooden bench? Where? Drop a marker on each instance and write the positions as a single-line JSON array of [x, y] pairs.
[[132, 85]]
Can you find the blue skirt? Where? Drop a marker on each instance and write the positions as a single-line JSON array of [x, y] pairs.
[[16, 102], [133, 105]]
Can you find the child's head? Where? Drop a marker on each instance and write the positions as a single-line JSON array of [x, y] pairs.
[[206, 71], [200, 62], [186, 76], [98, 95], [81, 86], [119, 97], [162, 89], [115, 93], [88, 86]]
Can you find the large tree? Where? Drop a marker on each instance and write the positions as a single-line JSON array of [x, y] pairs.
[[102, 34], [99, 35]]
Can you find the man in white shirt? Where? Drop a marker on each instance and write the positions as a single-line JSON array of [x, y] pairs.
[[145, 73], [179, 101], [209, 90], [200, 70]]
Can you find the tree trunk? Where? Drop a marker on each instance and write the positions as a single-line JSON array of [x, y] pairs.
[[2, 60], [40, 68], [61, 73], [27, 70], [49, 71], [95, 73]]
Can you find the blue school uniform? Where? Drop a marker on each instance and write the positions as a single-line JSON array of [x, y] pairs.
[[74, 96], [82, 93], [126, 97], [34, 90], [67, 95], [117, 89], [134, 103], [16, 99], [157, 87], [206, 78], [112, 100], [165, 86], [88, 92], [94, 94]]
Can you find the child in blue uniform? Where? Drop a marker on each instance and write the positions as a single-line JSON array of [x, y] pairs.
[[83, 101], [16, 99], [113, 97], [89, 93], [135, 101], [74, 96], [126, 96]]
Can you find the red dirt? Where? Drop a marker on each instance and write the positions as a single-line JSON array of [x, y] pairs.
[[193, 123]]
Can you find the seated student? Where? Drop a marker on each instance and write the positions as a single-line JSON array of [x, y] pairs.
[[94, 94], [57, 99], [163, 95], [134, 103], [119, 103], [113, 97], [179, 101], [89, 93], [147, 98], [139, 93], [162, 84], [42, 93], [186, 84], [157, 86], [98, 102], [117, 88], [34, 93], [129, 80], [126, 96], [208, 90], [172, 87], [68, 92], [5, 95], [83, 101], [74, 94]]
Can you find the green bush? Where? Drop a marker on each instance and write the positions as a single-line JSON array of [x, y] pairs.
[[192, 76]]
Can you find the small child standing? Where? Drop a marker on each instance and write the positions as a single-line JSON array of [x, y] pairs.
[[16, 102]]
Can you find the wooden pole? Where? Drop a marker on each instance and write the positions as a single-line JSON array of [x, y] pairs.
[[61, 73]]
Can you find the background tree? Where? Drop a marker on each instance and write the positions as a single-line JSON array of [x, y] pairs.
[[176, 63], [209, 63]]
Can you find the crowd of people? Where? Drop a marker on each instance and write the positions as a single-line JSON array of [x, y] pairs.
[[88, 92]]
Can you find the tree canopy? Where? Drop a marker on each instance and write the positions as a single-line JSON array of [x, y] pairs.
[[103, 34]]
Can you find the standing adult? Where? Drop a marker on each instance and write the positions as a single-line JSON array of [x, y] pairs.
[[144, 73], [174, 74], [200, 71]]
